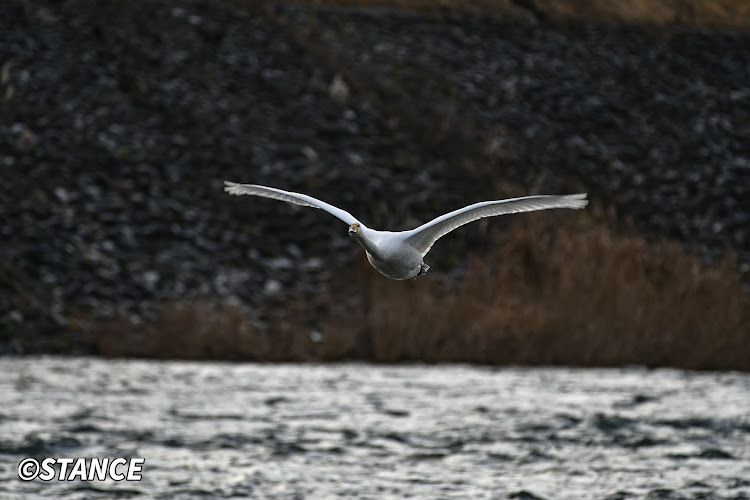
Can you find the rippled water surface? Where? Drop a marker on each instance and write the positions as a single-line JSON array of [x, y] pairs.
[[366, 431]]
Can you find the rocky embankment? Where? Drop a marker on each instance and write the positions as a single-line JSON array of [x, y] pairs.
[[119, 123]]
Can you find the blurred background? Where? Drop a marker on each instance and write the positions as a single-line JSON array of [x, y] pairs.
[[119, 123]]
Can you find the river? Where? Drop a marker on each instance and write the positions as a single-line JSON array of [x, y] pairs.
[[244, 430]]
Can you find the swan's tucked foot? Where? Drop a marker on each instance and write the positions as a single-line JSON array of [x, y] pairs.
[[423, 269]]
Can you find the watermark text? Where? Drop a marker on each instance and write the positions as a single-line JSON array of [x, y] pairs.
[[84, 469]]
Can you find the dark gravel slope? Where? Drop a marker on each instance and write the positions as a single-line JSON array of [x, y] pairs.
[[656, 121], [118, 125]]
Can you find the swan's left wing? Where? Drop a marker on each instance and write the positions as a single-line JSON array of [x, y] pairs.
[[423, 237], [288, 196]]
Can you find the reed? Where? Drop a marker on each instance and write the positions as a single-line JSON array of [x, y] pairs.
[[570, 292], [717, 13], [556, 290]]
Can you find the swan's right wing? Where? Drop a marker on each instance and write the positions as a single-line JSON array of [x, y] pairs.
[[288, 196], [423, 237]]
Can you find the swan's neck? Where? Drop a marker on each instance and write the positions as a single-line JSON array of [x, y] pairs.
[[365, 238]]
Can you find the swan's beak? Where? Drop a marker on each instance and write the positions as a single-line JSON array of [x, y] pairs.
[[353, 229]]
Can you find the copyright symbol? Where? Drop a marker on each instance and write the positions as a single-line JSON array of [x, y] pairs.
[[28, 469]]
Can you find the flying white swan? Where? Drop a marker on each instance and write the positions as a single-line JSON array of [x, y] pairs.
[[400, 255]]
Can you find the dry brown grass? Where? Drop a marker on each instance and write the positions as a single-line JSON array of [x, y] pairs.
[[569, 294], [199, 330], [558, 290], [205, 330], [730, 13], [720, 13]]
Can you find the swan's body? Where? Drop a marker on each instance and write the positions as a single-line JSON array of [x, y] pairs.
[[400, 255]]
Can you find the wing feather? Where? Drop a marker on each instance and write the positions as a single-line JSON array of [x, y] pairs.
[[288, 196], [423, 237]]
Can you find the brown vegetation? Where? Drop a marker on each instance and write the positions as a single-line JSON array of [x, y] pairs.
[[570, 294], [734, 13], [557, 290], [719, 13]]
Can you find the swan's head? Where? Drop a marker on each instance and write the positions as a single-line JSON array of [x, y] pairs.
[[354, 230]]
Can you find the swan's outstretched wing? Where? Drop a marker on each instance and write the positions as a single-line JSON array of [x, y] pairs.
[[296, 198], [423, 237]]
